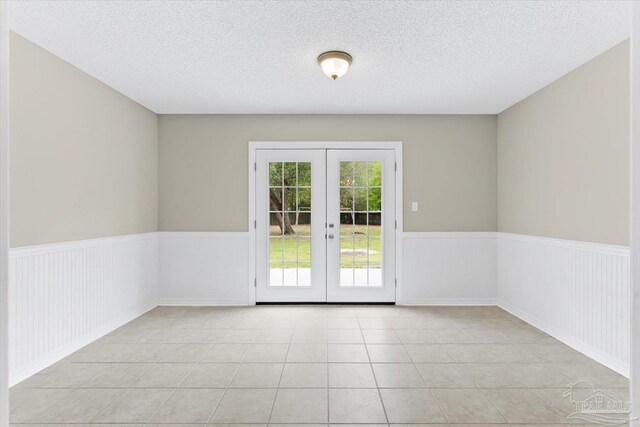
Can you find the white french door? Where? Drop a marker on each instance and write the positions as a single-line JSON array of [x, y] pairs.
[[290, 224], [360, 226], [325, 225]]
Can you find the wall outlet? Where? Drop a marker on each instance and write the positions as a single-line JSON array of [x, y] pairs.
[[414, 206]]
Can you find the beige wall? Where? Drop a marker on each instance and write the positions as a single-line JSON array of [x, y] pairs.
[[449, 165], [87, 162], [83, 156], [563, 156]]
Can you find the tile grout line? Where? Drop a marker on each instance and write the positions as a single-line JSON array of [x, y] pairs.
[[384, 409], [502, 414], [175, 388], [328, 385], [62, 397], [180, 383], [124, 390], [273, 404], [482, 391], [116, 396], [402, 342], [231, 380], [413, 363]]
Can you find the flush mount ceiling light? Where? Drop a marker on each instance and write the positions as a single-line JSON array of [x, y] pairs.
[[335, 63]]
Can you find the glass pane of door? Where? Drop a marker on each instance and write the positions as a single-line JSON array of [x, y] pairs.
[[289, 223], [360, 223]]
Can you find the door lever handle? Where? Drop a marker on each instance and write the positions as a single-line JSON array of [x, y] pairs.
[[331, 236]]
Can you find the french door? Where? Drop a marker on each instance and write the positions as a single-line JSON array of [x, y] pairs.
[[325, 225]]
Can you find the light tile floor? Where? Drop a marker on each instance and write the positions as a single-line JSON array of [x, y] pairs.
[[315, 365]]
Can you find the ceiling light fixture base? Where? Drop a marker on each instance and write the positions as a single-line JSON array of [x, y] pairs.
[[335, 63]]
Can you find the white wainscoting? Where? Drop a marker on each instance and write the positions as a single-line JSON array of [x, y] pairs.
[[204, 268], [212, 268], [63, 296], [578, 292], [449, 268]]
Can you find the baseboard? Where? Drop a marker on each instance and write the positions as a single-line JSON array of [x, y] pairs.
[[200, 302], [587, 350], [62, 352], [451, 301]]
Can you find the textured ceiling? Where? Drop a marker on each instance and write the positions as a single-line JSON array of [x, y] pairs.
[[260, 56]]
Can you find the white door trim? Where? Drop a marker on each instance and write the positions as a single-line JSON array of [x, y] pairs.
[[253, 146], [4, 214], [634, 384]]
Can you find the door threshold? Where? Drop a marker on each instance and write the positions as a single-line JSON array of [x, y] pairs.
[[322, 303]]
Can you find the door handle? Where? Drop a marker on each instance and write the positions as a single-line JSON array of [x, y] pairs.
[[330, 236]]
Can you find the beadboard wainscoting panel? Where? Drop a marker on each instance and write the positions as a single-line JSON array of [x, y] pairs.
[[63, 296], [456, 268], [204, 268], [578, 292]]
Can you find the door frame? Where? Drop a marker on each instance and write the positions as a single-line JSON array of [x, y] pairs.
[[253, 146], [4, 214]]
